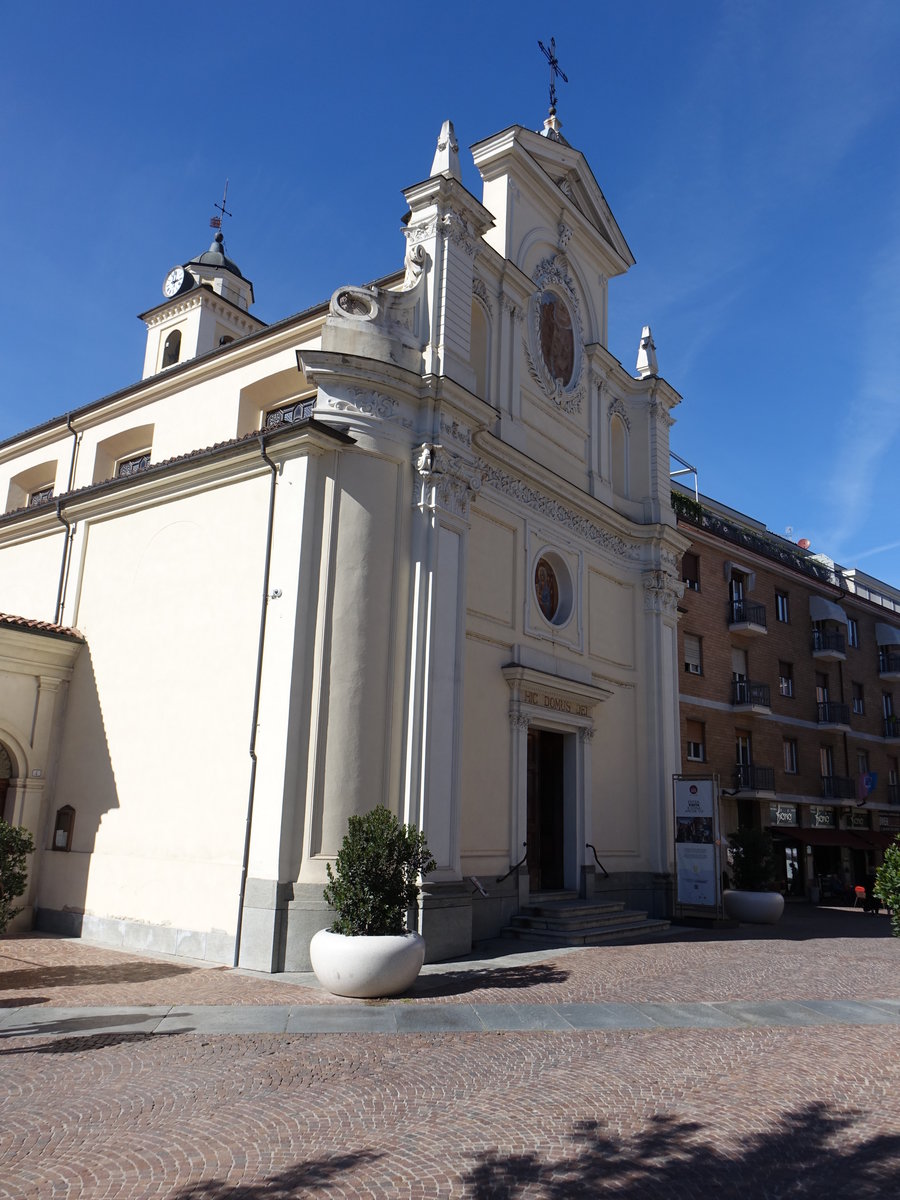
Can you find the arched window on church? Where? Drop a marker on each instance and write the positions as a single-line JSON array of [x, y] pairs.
[[479, 352], [172, 348], [618, 451]]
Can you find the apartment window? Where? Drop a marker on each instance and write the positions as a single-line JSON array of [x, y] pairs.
[[696, 741], [693, 648], [786, 679], [852, 632], [826, 762], [782, 607], [859, 703], [789, 749], [887, 704], [742, 751], [690, 572], [862, 762], [821, 688]]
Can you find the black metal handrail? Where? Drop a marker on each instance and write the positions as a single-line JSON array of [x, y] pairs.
[[892, 727], [836, 787], [515, 866], [825, 640], [742, 612], [597, 860], [750, 778], [745, 692], [831, 712], [888, 662]]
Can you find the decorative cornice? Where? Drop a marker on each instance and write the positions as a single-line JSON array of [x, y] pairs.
[[555, 510], [660, 413], [368, 403]]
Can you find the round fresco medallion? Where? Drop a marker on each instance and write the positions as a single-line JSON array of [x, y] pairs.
[[557, 337], [547, 588]]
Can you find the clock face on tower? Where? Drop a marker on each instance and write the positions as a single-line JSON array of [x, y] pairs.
[[173, 282]]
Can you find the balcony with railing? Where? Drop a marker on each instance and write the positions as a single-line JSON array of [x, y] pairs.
[[829, 645], [831, 714], [892, 728], [744, 617], [750, 697], [889, 664], [751, 780], [837, 787]]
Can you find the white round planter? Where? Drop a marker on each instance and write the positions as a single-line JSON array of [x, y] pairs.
[[756, 908], [366, 967]]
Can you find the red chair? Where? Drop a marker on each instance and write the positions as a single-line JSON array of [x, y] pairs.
[[859, 896]]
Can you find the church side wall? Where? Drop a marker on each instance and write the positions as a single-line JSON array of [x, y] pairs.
[[154, 749]]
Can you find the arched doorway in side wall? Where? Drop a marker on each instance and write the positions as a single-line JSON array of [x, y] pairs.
[[6, 771]]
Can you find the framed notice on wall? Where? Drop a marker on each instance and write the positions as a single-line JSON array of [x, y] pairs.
[[697, 841]]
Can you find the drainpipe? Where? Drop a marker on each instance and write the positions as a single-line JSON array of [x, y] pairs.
[[256, 694], [70, 529]]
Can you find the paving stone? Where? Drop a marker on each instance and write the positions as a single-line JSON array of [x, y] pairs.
[[604, 1016], [426, 1019], [358, 1018], [209, 1018], [521, 1016], [689, 1016]]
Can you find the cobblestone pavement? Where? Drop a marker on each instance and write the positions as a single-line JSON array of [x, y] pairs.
[[776, 1110]]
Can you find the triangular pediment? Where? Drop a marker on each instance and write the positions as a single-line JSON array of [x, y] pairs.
[[568, 170]]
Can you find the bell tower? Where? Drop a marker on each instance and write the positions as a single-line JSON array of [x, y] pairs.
[[206, 305]]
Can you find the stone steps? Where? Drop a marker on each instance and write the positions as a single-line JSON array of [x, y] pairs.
[[562, 919]]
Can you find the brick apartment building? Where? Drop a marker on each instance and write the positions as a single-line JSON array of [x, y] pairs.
[[790, 689]]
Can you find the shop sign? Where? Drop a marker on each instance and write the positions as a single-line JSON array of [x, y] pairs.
[[782, 814], [858, 820], [821, 817], [889, 821]]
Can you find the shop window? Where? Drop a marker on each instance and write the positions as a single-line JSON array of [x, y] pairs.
[[64, 828]]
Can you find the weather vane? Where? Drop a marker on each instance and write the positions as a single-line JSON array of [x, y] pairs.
[[550, 55], [216, 222]]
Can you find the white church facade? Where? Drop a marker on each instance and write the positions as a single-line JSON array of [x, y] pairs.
[[413, 546]]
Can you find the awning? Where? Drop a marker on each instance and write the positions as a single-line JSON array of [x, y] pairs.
[[821, 609], [886, 635], [825, 837]]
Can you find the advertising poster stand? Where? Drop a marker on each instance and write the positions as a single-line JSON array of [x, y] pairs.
[[698, 848]]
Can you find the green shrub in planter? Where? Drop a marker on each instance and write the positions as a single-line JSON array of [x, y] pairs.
[[376, 875], [754, 860], [887, 884], [15, 845]]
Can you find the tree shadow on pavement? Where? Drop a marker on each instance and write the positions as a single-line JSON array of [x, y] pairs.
[[455, 983], [808, 1155], [89, 975], [285, 1185], [80, 1037]]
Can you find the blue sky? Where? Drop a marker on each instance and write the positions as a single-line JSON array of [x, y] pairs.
[[749, 151]]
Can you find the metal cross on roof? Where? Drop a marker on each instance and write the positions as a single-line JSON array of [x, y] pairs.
[[216, 222], [550, 55]]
